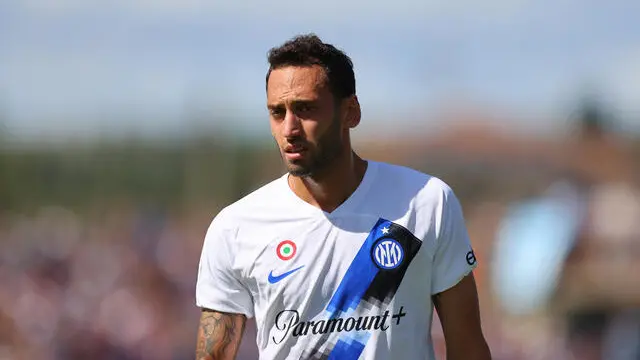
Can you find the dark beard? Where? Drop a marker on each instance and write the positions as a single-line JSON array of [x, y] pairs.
[[328, 149]]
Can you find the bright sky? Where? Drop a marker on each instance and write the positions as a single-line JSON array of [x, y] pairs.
[[84, 61]]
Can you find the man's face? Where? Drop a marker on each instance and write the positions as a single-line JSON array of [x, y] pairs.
[[305, 120]]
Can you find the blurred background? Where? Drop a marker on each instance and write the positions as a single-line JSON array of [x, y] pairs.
[[125, 126]]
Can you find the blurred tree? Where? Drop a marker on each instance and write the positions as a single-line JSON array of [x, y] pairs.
[[593, 120], [208, 171], [4, 197], [3, 170]]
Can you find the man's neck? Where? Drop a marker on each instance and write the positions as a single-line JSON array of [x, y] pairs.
[[334, 186]]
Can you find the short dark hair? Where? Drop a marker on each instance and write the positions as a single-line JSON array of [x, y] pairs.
[[309, 50]]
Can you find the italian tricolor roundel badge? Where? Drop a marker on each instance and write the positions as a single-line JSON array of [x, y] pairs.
[[286, 250]]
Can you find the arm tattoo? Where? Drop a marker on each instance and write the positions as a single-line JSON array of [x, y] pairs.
[[219, 335]]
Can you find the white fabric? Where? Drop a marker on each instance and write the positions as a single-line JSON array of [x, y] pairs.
[[307, 314]]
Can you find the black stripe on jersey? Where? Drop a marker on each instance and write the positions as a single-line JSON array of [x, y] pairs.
[[385, 284]]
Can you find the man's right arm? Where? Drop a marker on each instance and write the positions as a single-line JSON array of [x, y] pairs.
[[219, 335]]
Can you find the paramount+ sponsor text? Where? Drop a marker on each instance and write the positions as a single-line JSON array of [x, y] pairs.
[[288, 323]]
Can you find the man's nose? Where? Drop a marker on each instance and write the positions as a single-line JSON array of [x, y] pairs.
[[292, 125]]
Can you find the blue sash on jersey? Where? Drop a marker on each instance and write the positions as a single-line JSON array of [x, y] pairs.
[[370, 283]]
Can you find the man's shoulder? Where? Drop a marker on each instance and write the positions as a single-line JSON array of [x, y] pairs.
[[258, 201], [405, 177]]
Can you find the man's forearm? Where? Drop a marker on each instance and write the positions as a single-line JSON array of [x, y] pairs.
[[219, 335]]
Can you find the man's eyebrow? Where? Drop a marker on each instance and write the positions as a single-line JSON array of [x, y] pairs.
[[293, 102]]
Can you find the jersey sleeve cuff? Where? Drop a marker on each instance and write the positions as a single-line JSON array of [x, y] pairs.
[[452, 281], [225, 307]]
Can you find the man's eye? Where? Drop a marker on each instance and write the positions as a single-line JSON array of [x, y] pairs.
[[305, 108]]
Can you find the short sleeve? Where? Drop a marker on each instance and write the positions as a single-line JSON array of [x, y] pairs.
[[454, 257], [218, 287]]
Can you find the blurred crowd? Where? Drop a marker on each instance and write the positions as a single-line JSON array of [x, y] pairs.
[[119, 286]]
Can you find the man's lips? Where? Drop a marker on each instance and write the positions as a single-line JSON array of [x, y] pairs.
[[294, 152], [294, 148]]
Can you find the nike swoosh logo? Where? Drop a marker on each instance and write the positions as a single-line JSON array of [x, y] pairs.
[[274, 279]]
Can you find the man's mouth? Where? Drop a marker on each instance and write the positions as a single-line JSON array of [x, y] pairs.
[[294, 152]]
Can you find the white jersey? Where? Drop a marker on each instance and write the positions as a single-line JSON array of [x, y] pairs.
[[355, 283]]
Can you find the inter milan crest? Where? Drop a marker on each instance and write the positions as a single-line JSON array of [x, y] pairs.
[[391, 244], [387, 253]]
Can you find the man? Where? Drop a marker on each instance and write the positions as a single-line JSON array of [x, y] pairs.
[[340, 258]]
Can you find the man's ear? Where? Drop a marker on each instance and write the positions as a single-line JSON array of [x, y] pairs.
[[352, 112]]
